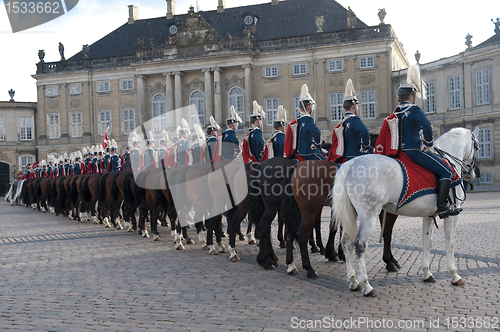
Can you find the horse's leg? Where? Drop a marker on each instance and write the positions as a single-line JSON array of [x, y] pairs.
[[450, 226], [185, 235], [178, 237], [266, 257], [349, 260], [218, 234], [210, 225], [366, 225], [427, 232], [317, 228], [330, 252], [291, 268], [281, 224], [392, 264], [232, 226], [201, 236], [314, 247], [303, 234]]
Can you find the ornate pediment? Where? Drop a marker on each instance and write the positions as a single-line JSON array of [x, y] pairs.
[[194, 30], [195, 84], [158, 87], [235, 80]]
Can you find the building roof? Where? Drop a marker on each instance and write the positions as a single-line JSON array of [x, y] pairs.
[[289, 18], [492, 40]]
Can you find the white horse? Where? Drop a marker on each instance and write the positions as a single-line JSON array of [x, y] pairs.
[[367, 184]]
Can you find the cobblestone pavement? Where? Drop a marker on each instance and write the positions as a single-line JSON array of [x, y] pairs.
[[62, 275]]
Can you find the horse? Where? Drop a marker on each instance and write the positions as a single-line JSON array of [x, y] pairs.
[[367, 184]]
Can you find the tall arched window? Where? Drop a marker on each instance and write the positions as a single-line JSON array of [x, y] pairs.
[[159, 112], [197, 99], [237, 99]]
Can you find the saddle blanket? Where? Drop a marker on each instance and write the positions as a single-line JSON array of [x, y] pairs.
[[418, 181]]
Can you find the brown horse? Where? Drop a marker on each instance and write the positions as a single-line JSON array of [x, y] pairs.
[[312, 182]]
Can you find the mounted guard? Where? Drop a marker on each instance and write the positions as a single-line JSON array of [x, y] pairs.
[[275, 145], [253, 143]]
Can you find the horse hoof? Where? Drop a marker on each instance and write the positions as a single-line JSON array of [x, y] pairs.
[[358, 287], [282, 245], [294, 271], [312, 275], [222, 250], [242, 238], [205, 247], [190, 241], [252, 242], [270, 267], [213, 252], [314, 250], [391, 267], [459, 282], [234, 259], [156, 237], [179, 246], [370, 294], [334, 259], [431, 279]]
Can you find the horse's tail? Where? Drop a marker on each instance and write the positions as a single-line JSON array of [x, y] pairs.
[[9, 193], [343, 210], [289, 208]]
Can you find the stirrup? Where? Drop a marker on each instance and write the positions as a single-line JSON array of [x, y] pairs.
[[449, 212]]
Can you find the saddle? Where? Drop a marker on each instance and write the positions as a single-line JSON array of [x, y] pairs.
[[418, 181]]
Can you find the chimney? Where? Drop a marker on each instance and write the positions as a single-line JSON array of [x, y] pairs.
[[221, 6], [133, 14], [170, 9], [274, 2]]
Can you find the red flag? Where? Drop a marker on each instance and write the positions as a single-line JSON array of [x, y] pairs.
[[105, 140]]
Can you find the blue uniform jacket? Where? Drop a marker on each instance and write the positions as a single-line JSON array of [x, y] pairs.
[[230, 145], [256, 142], [307, 133], [95, 167], [356, 136], [195, 149], [182, 147], [114, 163], [60, 169], [134, 159], [105, 162], [278, 143], [210, 148], [78, 169], [413, 120]]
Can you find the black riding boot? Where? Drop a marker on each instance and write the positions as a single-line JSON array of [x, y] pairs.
[[443, 191]]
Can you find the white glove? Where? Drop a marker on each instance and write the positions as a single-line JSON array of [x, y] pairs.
[[324, 151], [426, 148]]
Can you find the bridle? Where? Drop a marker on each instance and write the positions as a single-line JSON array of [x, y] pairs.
[[467, 168]]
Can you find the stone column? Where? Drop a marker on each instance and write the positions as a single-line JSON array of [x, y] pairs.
[[141, 109], [169, 94], [208, 96], [178, 98], [248, 91], [217, 96]]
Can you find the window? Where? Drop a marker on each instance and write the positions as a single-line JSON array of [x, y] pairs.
[[75, 89], [248, 20], [368, 104], [128, 121], [367, 62], [104, 121], [336, 106], [271, 72], [25, 128], [52, 91], [159, 102], [299, 69], [197, 99], [296, 105], [127, 84], [271, 110], [430, 103], [103, 87], [1, 129], [25, 160], [484, 139], [483, 87], [236, 98], [335, 65], [75, 124], [454, 83], [486, 178], [53, 125]]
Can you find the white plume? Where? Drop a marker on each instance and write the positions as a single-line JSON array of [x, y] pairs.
[[214, 123], [257, 109], [235, 115], [413, 77], [185, 126], [199, 132], [349, 89]]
